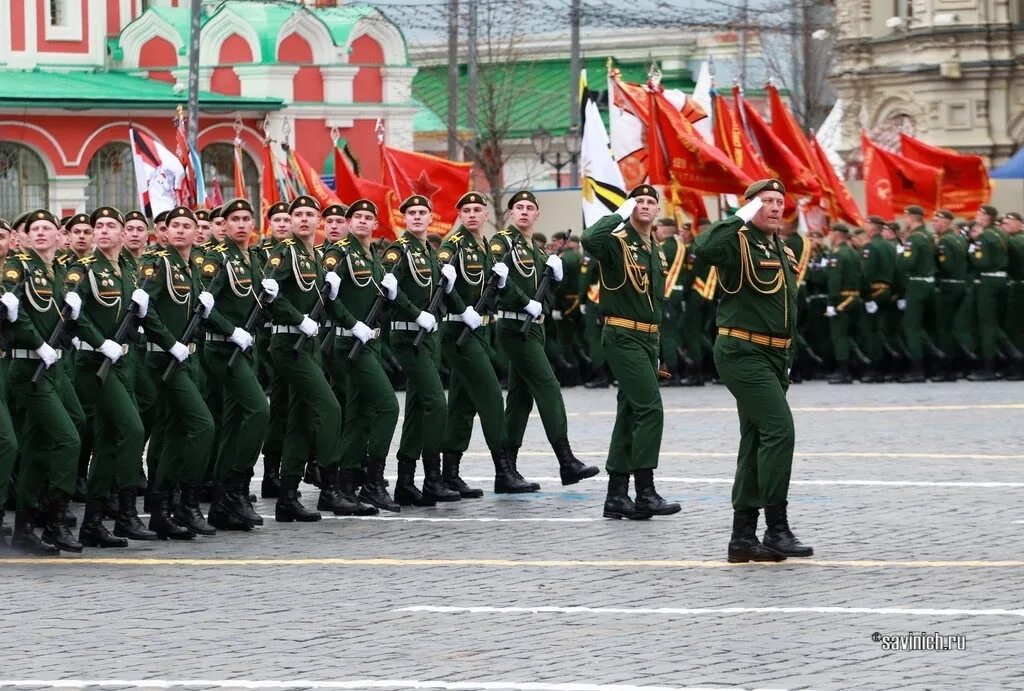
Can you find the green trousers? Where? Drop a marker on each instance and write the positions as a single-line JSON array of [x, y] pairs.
[[473, 390], [567, 331], [271, 379], [920, 296], [245, 412], [952, 323], [988, 292], [8, 440], [371, 407], [530, 379], [639, 419], [694, 318], [592, 327], [314, 416], [425, 407], [673, 315], [1013, 322], [185, 424], [872, 326], [841, 329], [757, 377], [49, 435]]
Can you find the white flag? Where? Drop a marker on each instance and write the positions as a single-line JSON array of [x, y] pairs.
[[158, 173], [603, 184]]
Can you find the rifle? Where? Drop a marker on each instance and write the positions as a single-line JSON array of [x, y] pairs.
[[190, 330], [319, 308], [433, 305], [542, 288], [58, 331], [124, 329], [378, 304], [483, 303]]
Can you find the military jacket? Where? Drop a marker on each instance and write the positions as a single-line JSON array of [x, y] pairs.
[[234, 295], [756, 274], [817, 273], [567, 292], [1015, 256], [632, 270], [676, 254], [879, 267], [472, 264], [173, 289], [988, 252], [361, 271], [918, 257], [844, 277], [951, 257], [420, 273], [590, 280], [106, 290], [802, 251], [300, 277], [525, 267], [41, 299]]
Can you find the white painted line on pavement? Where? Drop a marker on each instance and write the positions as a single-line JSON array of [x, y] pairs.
[[353, 684], [825, 409], [442, 519], [716, 610], [865, 483], [798, 454]]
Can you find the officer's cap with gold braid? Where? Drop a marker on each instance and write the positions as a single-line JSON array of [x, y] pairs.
[[333, 210], [106, 212], [913, 210], [471, 198], [768, 185], [4, 225], [160, 217], [989, 210], [415, 200], [181, 212], [41, 215], [303, 202], [361, 205], [236, 205], [277, 208], [644, 191], [75, 220], [522, 196], [216, 212], [946, 214], [201, 214]]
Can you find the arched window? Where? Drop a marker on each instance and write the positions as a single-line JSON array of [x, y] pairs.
[[24, 185], [112, 178], [219, 173]]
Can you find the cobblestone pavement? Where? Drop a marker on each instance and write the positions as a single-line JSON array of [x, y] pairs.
[[911, 495]]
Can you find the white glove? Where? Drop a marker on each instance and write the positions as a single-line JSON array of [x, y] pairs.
[[179, 351], [241, 338], [206, 300], [334, 281], [748, 210], [900, 248], [308, 327], [76, 342], [141, 298], [533, 309], [270, 287], [626, 210], [10, 303], [971, 248], [555, 262], [390, 284], [111, 350], [583, 309], [830, 311], [47, 354], [471, 318], [901, 303], [870, 306], [362, 332], [74, 301], [427, 321], [502, 270], [823, 263], [448, 274]]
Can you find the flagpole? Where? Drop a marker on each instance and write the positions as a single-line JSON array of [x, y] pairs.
[[193, 75]]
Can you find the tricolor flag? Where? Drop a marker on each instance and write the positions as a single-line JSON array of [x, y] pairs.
[[603, 184], [158, 173]]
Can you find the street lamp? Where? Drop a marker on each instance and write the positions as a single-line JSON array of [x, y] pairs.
[[541, 141]]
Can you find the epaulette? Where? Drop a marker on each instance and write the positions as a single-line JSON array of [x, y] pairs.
[[206, 245], [87, 260], [287, 242], [503, 232], [159, 253], [621, 233], [220, 247], [64, 259], [23, 256]]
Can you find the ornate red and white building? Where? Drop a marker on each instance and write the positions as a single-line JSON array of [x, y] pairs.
[[75, 74]]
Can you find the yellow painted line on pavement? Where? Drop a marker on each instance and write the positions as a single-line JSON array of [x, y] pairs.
[[834, 409], [503, 563]]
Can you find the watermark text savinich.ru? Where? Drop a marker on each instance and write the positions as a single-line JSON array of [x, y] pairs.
[[920, 640]]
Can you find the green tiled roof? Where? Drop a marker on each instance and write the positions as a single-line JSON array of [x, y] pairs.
[[535, 93], [103, 89]]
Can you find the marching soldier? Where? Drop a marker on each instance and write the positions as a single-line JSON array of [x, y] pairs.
[[474, 387], [80, 233], [952, 325], [217, 224], [1013, 324], [590, 308], [700, 288], [843, 310], [917, 265], [753, 354], [633, 277], [879, 267], [565, 312], [987, 256], [136, 238], [530, 377], [8, 441], [675, 250]]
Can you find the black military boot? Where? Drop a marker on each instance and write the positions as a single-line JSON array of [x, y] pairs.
[[450, 473], [163, 524], [986, 373], [694, 376], [375, 490], [406, 491], [140, 481], [505, 480], [744, 545], [112, 506], [188, 513], [914, 376], [647, 498], [779, 537], [312, 476], [221, 516], [270, 488], [841, 375], [93, 533], [56, 531], [346, 502], [289, 508], [237, 498], [128, 524], [434, 487], [81, 490], [618, 504], [512, 454], [601, 380], [570, 468], [25, 540]]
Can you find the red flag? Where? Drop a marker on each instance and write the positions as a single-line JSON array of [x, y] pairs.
[[216, 197], [842, 203], [965, 184], [788, 130], [892, 182], [731, 138], [240, 188], [350, 187], [438, 179], [311, 181], [786, 166]]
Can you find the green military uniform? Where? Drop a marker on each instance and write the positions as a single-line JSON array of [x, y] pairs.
[[144, 388], [701, 288], [952, 312], [590, 308], [988, 259], [753, 353], [273, 444], [917, 264], [673, 306], [566, 320], [816, 324], [1013, 323], [879, 269], [844, 286]]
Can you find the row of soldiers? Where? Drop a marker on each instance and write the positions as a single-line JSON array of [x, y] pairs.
[[108, 346]]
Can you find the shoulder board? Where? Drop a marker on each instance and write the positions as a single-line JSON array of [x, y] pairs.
[[159, 253], [220, 247], [23, 256], [789, 252], [287, 242], [64, 260], [87, 260], [504, 232], [454, 238], [620, 233], [402, 240], [206, 245]]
